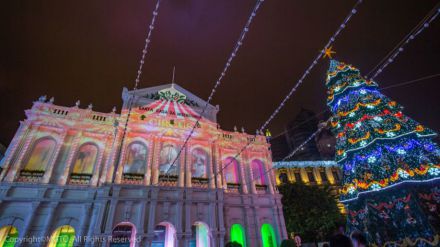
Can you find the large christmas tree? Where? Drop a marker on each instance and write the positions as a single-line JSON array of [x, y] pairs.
[[391, 166]]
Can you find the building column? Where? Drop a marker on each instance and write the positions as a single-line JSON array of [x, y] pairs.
[[186, 171], [107, 174], [17, 141], [211, 175], [147, 176], [244, 179], [66, 173], [118, 177], [47, 226], [16, 167], [34, 206], [84, 220], [155, 165]]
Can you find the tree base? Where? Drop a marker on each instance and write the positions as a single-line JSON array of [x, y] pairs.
[[407, 215]]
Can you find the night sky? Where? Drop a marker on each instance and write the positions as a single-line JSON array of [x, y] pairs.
[[89, 50]]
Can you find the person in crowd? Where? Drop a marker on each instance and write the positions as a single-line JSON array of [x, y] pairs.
[[339, 239], [358, 239]]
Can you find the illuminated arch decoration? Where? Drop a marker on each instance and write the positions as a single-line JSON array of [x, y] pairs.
[[167, 155], [8, 236], [268, 237], [123, 235], [41, 154], [200, 163], [258, 172], [238, 234], [84, 164], [200, 235], [230, 166], [63, 236], [164, 235], [135, 162]]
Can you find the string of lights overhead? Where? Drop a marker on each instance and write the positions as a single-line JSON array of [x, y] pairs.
[[426, 22], [327, 51], [218, 82], [138, 76]]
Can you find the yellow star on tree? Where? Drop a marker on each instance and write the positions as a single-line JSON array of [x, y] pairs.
[[328, 52]]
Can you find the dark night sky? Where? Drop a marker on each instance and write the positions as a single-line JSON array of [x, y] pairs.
[[89, 50]]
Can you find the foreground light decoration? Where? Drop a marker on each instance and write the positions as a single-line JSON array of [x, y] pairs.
[[384, 156]]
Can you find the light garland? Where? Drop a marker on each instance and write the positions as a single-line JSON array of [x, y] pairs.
[[303, 164], [312, 65], [411, 37], [233, 54], [389, 187], [138, 76]]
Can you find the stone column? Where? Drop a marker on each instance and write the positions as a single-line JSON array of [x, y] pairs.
[[66, 173], [211, 175], [187, 167], [243, 163], [147, 176], [118, 177], [107, 173], [257, 226], [181, 169], [34, 206], [47, 226], [19, 137], [15, 168], [49, 169], [155, 164]]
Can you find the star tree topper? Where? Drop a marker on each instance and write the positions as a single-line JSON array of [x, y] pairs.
[[328, 52]]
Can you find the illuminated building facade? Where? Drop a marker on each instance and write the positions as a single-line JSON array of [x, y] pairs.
[[314, 163], [70, 173]]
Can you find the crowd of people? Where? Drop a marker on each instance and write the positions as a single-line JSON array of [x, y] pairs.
[[339, 239]]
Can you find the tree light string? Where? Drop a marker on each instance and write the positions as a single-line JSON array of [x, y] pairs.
[[312, 65], [233, 54], [138, 76], [411, 37]]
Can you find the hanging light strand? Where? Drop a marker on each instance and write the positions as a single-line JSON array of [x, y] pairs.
[[218, 82], [312, 65], [413, 34], [299, 82], [131, 97]]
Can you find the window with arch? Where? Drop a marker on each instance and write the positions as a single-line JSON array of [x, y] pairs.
[[63, 236], [200, 235], [167, 156], [84, 163], [8, 236], [268, 236], [135, 162], [200, 163], [258, 172], [164, 235], [123, 235], [40, 155], [230, 169], [237, 234]]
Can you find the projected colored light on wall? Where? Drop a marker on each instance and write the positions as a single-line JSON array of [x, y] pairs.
[[231, 170], [237, 234], [8, 236], [136, 159], [199, 163], [63, 236], [41, 155], [268, 236], [86, 159]]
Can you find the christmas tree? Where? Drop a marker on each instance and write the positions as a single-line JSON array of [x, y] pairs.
[[391, 166]]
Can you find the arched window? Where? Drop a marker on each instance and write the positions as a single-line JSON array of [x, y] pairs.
[[200, 235], [123, 235], [8, 236], [164, 235], [258, 172], [63, 236], [135, 162], [268, 236], [230, 167], [200, 162], [238, 235], [167, 156], [85, 159], [41, 155]]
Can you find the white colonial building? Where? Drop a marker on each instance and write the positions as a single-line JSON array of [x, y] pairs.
[[74, 177]]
